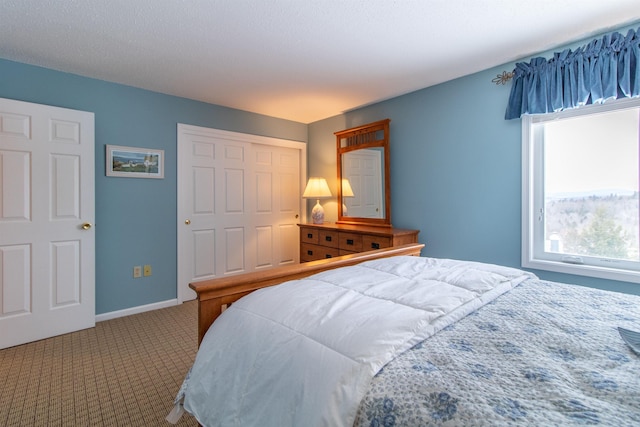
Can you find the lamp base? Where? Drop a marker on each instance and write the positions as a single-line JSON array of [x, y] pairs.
[[317, 213]]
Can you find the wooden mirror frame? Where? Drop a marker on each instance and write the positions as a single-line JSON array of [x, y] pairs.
[[372, 135]]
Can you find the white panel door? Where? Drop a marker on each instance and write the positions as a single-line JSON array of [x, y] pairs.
[[232, 217], [238, 204], [47, 261], [212, 206], [277, 205]]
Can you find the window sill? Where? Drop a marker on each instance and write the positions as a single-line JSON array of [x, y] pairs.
[[582, 270]]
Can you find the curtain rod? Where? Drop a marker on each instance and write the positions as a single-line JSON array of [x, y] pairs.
[[502, 79]]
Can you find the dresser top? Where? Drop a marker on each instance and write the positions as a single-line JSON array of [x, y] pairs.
[[356, 228]]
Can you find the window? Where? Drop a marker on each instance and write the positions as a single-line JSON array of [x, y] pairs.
[[580, 210]]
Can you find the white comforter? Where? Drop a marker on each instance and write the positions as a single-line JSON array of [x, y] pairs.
[[304, 352]]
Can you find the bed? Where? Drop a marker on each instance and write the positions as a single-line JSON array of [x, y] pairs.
[[389, 338]]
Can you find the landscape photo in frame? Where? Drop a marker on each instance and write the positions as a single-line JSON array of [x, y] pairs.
[[134, 162]]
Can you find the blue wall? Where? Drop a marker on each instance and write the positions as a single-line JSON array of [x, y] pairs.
[[135, 218], [455, 170]]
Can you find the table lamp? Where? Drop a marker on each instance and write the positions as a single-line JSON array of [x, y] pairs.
[[317, 188]]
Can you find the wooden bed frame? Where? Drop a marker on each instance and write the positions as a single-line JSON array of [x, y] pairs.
[[214, 295]]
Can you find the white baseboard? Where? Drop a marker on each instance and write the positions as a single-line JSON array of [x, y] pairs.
[[136, 310]]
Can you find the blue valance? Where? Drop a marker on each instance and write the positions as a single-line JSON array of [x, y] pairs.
[[606, 68]]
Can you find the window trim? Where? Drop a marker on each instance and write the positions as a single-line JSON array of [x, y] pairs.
[[529, 156]]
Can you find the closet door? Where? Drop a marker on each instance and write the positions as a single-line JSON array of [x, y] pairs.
[[276, 171], [238, 204]]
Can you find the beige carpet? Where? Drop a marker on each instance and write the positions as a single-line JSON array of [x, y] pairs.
[[123, 372]]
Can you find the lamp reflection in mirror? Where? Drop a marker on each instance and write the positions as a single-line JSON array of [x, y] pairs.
[[317, 188], [347, 191]]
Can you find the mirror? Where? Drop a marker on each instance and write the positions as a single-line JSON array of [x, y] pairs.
[[364, 192]]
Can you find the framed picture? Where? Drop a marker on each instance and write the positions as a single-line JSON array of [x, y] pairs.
[[134, 162]]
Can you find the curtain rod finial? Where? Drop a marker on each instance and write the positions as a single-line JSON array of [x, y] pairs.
[[502, 79]]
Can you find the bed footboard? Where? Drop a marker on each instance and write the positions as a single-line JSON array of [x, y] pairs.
[[215, 294]]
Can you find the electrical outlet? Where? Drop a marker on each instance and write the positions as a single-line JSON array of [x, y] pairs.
[[137, 271], [147, 270]]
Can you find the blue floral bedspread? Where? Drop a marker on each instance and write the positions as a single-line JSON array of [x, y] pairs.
[[543, 354]]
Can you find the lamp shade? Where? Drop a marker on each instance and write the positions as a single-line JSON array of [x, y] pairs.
[[317, 188], [346, 188]]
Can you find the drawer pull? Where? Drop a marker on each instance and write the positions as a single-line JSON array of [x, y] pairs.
[[328, 256], [309, 252], [375, 245], [309, 235], [327, 238], [350, 242]]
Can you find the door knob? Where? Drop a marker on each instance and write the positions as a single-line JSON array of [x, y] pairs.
[[187, 221], [86, 226]]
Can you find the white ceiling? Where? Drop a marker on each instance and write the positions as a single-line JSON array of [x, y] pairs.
[[302, 60]]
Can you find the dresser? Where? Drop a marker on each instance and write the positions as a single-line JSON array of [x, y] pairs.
[[319, 241]]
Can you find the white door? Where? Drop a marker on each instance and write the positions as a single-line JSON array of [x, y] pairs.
[[238, 203], [47, 262], [277, 208]]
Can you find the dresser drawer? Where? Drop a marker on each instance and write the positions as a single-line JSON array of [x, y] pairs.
[[309, 235], [310, 252], [328, 238], [350, 242], [321, 241], [370, 243], [345, 252]]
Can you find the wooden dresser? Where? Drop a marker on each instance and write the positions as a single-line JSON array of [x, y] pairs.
[[319, 241]]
